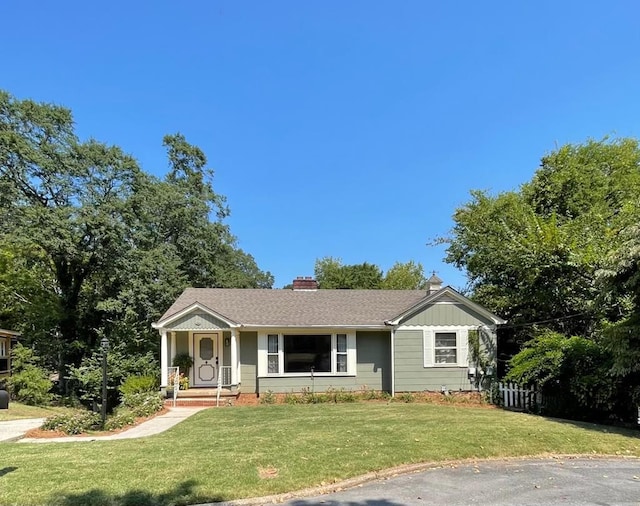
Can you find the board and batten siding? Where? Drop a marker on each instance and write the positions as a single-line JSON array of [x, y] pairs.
[[412, 374], [446, 314], [198, 320]]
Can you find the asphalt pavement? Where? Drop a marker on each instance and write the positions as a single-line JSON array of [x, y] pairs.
[[553, 481]]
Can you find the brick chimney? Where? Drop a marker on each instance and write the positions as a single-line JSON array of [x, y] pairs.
[[305, 283]]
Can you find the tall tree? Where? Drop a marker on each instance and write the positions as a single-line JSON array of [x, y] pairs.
[[404, 276], [332, 274], [116, 244], [561, 254]]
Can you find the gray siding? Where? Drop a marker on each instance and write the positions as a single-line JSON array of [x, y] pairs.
[[199, 321], [248, 361], [182, 343], [447, 314], [296, 384], [412, 376], [373, 352]]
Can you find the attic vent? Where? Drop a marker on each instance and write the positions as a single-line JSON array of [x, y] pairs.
[[305, 283]]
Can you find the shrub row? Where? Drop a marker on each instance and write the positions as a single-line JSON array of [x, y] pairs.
[[73, 423], [136, 405]]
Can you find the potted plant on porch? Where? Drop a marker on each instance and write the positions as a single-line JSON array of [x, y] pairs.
[[184, 362]]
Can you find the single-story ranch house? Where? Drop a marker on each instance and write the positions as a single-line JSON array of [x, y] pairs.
[[257, 340]]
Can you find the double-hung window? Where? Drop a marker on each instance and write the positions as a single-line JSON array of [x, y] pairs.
[[341, 353], [446, 346], [273, 355]]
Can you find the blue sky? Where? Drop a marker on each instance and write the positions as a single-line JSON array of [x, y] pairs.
[[351, 129]]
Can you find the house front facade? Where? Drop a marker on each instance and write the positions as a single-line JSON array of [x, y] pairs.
[[256, 340]]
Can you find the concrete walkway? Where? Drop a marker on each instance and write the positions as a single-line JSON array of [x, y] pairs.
[[153, 426], [15, 429]]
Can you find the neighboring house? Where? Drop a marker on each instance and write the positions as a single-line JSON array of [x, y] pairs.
[[255, 340], [8, 338]]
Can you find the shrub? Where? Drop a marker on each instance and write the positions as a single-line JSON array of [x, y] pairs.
[[143, 403], [119, 420], [139, 384], [291, 398], [407, 397], [29, 383], [86, 379], [345, 396], [268, 397], [73, 423]]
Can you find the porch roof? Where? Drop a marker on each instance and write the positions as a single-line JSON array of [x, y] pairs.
[[299, 308]]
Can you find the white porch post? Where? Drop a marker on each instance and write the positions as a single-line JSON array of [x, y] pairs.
[[164, 358], [173, 348], [234, 357]]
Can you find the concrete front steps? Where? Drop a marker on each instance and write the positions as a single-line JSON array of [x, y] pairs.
[[196, 397]]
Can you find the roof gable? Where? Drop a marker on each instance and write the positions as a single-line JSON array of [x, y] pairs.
[[446, 294]]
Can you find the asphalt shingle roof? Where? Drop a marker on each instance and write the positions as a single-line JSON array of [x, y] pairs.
[[299, 307]]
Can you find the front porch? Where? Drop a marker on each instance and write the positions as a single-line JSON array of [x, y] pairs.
[[213, 356]]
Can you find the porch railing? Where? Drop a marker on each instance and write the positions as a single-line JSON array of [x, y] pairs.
[[174, 381], [224, 376]]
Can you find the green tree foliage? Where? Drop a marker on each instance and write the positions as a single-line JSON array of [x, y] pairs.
[[29, 383], [404, 276], [562, 251], [332, 274], [574, 373], [97, 246], [86, 379]]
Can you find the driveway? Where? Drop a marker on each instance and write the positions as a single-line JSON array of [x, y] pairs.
[[15, 429], [566, 481]]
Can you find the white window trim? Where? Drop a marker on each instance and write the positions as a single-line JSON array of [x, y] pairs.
[[462, 345], [263, 348], [3, 348]]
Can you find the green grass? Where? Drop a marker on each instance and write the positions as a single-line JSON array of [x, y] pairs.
[[17, 411], [218, 453]]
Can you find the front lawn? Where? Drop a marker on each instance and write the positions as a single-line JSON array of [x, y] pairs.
[[229, 453], [17, 411]]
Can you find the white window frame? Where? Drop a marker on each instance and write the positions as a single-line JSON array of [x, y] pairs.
[[263, 353], [277, 353], [462, 345], [3, 348]]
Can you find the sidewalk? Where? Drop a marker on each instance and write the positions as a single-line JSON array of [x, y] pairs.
[[155, 425], [15, 429]]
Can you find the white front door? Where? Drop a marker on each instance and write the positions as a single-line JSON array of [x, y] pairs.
[[205, 359]]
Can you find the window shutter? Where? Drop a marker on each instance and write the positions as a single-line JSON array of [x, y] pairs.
[[352, 361], [427, 336], [262, 354], [463, 348]]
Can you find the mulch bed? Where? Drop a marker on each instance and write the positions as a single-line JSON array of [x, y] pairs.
[[49, 434]]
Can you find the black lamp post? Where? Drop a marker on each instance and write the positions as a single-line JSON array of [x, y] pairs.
[[104, 344]]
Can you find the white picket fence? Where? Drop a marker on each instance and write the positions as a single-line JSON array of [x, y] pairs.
[[514, 396]]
